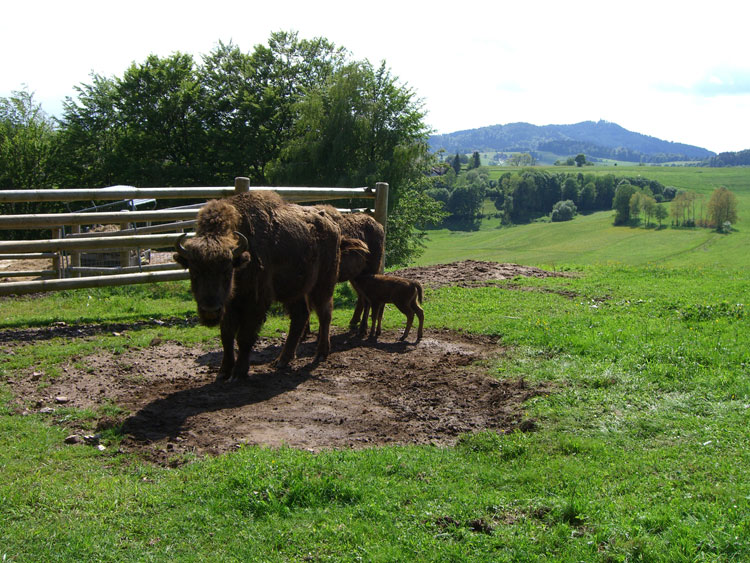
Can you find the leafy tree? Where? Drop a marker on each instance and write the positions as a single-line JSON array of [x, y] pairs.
[[476, 161], [587, 197], [358, 128], [159, 105], [648, 205], [406, 225], [456, 164], [27, 142], [521, 159], [254, 98], [468, 196], [580, 160], [660, 213], [621, 202], [439, 194], [27, 149], [143, 129], [563, 211], [605, 191], [90, 135], [722, 208], [570, 189], [636, 204]]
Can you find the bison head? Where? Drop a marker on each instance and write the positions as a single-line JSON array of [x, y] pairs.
[[212, 262]]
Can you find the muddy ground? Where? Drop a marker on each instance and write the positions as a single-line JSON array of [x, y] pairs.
[[365, 394]]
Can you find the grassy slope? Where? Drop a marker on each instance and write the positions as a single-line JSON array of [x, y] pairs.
[[591, 239], [641, 451]]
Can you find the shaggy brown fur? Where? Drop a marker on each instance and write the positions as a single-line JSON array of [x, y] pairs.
[[381, 289], [253, 249], [362, 227]]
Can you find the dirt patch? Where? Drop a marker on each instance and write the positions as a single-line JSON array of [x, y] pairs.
[[473, 273], [365, 394]]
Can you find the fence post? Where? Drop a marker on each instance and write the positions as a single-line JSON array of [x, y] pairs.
[[381, 210], [241, 184]]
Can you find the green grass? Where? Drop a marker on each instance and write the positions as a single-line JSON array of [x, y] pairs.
[[592, 239], [640, 452]]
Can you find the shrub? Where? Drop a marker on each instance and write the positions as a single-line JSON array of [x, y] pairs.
[[564, 211]]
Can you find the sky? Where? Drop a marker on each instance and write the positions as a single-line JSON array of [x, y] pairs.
[[679, 71]]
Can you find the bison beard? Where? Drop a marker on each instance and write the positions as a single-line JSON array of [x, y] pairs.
[[253, 249]]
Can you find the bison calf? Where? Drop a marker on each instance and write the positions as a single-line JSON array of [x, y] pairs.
[[381, 289]]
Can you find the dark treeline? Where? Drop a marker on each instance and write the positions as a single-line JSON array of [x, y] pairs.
[[617, 153], [523, 195], [740, 158], [290, 112]]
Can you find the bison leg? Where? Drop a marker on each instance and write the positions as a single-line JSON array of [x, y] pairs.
[[247, 335], [299, 314], [365, 316], [324, 312], [358, 309], [408, 310], [420, 315], [409, 321], [229, 323], [377, 317]]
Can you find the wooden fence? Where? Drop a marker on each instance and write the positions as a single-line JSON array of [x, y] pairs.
[[162, 228]]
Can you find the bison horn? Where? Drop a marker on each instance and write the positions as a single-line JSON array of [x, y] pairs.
[[241, 246], [181, 250]]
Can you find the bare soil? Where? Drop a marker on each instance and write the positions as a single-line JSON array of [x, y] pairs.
[[365, 394]]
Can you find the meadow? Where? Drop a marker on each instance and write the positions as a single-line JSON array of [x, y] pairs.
[[639, 451]]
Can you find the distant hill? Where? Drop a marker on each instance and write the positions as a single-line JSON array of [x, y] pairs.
[[597, 139]]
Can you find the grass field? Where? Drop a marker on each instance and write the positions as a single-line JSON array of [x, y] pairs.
[[640, 453], [592, 239]]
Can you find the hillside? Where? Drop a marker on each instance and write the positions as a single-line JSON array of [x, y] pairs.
[[600, 139]]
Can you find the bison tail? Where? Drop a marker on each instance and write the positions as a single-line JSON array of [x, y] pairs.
[[419, 292]]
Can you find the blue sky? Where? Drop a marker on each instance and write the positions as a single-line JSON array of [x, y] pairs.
[[679, 71]]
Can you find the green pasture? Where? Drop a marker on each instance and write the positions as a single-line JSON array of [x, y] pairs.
[[592, 239], [640, 451]]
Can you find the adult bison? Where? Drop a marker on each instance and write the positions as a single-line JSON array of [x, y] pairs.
[[253, 249], [354, 263]]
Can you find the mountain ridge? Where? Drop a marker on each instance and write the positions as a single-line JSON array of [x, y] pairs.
[[598, 139]]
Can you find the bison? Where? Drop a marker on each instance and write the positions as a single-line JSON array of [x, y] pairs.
[[381, 289], [361, 227], [250, 250]]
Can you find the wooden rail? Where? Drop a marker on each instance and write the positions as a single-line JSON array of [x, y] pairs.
[[173, 222]]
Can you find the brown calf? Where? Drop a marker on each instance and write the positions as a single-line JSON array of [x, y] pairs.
[[381, 289]]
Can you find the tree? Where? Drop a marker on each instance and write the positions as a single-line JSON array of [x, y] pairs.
[[621, 202], [661, 213], [27, 149], [580, 159], [456, 164], [570, 189], [587, 197], [27, 142], [475, 160], [605, 191], [406, 225], [648, 204], [722, 208], [563, 211], [521, 159]]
